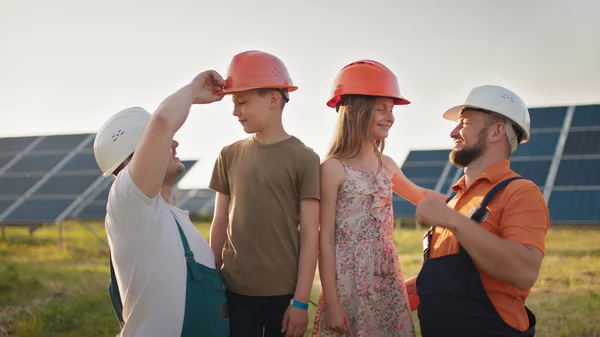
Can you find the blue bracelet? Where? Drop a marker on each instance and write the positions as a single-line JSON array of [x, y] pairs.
[[299, 305]]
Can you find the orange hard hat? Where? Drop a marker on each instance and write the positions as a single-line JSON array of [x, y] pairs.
[[255, 69], [366, 77]]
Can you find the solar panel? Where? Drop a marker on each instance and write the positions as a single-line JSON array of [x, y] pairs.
[[534, 170], [201, 201], [586, 115], [544, 118], [36, 163], [541, 144], [578, 172], [46, 179], [428, 156], [38, 211], [428, 169], [582, 142], [575, 206], [5, 159], [94, 205], [15, 144], [63, 142], [36, 182]]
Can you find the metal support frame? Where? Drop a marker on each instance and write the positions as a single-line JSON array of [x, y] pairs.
[[90, 198], [556, 159], [93, 188], [444, 176]]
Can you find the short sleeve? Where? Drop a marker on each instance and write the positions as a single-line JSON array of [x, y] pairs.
[[309, 183], [526, 218], [130, 210], [219, 180]]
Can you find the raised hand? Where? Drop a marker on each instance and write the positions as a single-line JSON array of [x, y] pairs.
[[207, 87]]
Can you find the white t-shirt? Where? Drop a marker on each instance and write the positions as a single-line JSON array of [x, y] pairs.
[[148, 258]]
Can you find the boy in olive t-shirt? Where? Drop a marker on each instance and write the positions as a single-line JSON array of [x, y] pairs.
[[267, 185]]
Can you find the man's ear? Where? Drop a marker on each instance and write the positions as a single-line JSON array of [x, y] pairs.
[[499, 130]]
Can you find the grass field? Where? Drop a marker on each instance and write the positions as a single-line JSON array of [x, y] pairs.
[[48, 291]]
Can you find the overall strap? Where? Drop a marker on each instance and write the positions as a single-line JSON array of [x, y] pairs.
[[477, 216], [184, 241], [113, 292], [188, 253], [428, 236], [481, 211]]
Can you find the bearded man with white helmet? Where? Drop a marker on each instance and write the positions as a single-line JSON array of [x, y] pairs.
[[485, 247], [164, 280]]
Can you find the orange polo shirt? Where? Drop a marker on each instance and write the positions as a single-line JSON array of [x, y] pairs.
[[518, 213]]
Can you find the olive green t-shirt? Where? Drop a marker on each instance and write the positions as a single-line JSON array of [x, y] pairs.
[[266, 183]]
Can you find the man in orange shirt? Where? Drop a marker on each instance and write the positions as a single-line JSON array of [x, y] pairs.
[[485, 247]]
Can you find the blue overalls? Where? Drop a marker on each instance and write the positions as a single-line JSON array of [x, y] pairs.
[[206, 311], [453, 301]]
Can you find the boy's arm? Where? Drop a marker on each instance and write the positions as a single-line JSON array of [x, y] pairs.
[[309, 248], [219, 182], [296, 319], [218, 228], [310, 194]]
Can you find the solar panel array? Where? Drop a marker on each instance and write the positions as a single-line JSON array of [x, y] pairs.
[[46, 179], [562, 158]]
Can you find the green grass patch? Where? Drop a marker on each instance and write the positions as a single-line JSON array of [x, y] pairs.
[[48, 290]]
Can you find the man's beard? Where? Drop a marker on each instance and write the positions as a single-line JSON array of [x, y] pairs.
[[466, 155]]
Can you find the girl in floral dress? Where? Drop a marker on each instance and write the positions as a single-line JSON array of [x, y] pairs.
[[363, 291]]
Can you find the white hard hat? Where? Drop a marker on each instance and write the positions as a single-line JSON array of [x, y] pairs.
[[119, 137], [504, 103]]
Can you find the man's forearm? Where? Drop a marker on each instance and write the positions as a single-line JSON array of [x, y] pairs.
[[174, 110], [309, 251], [506, 260]]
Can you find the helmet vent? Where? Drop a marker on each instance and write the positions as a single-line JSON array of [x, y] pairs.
[[117, 135], [510, 98], [275, 72]]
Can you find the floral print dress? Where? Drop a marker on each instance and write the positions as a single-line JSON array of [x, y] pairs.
[[369, 279]]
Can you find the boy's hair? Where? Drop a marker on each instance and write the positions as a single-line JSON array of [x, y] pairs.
[[262, 92], [353, 128]]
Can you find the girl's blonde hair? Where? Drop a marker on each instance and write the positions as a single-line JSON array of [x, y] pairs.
[[353, 128]]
